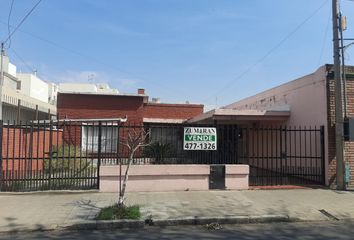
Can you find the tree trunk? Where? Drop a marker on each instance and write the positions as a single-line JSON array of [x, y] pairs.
[[126, 175]]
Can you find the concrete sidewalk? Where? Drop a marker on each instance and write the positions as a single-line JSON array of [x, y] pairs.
[[53, 210]]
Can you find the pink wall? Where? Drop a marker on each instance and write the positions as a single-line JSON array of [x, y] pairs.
[[236, 177], [162, 178]]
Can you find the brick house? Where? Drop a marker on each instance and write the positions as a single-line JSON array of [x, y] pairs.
[[136, 107], [305, 102]]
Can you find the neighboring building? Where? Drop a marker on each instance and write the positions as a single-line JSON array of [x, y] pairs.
[[304, 102], [25, 97], [136, 107]]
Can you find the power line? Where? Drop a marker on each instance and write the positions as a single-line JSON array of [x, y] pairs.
[[8, 22], [260, 60], [115, 68], [22, 60], [23, 20]]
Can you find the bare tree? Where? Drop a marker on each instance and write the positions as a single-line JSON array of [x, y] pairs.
[[135, 140]]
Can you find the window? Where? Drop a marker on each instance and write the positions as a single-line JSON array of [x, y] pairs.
[[109, 138]]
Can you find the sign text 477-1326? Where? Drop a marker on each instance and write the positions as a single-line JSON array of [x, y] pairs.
[[199, 138]]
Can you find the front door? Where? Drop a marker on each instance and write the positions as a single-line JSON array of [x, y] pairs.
[[217, 177]]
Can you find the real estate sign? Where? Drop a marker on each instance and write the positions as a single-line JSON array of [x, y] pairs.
[[199, 138]]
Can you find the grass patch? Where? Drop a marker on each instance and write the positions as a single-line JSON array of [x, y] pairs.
[[119, 212]]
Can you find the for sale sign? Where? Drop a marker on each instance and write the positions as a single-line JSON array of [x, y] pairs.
[[199, 138]]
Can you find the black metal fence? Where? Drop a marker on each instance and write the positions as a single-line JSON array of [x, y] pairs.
[[283, 155], [54, 155], [68, 154], [166, 146]]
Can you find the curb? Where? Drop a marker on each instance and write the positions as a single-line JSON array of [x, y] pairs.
[[139, 224], [221, 220], [105, 224]]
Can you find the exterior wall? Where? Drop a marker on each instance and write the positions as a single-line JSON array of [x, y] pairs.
[[152, 178], [306, 97], [172, 111], [236, 177], [95, 106], [28, 105], [348, 146], [34, 87], [91, 106], [23, 150], [156, 178]]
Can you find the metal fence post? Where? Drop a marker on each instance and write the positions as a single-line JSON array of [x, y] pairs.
[[50, 153], [1, 173], [99, 149], [323, 155]]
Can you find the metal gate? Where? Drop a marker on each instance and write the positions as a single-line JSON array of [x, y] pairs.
[[55, 154], [283, 155]]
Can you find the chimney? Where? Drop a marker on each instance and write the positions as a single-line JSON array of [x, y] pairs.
[[141, 91]]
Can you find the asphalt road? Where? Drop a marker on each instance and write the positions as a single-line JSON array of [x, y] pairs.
[[311, 230]]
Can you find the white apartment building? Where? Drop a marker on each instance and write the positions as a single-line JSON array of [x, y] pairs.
[[25, 96]]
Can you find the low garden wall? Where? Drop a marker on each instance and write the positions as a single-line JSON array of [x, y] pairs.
[[162, 178]]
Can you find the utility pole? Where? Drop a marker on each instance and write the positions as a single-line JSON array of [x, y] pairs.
[[338, 98], [2, 54]]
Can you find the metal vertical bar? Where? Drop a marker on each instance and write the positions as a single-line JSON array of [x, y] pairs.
[[74, 175], [120, 161], [50, 153], [279, 160], [37, 171], [99, 153], [44, 158], [312, 158], [276, 131], [258, 154], [1, 160], [269, 160], [13, 154], [295, 154], [59, 157], [7, 152], [25, 159], [82, 131], [254, 160], [305, 171], [299, 174], [19, 172], [323, 156], [285, 156], [236, 145], [31, 155]]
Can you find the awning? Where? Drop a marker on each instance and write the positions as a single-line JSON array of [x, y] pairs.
[[163, 120], [234, 115]]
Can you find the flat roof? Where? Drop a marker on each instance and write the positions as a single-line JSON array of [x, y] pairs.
[[103, 94], [241, 115]]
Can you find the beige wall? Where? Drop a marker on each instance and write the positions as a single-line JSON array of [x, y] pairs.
[[306, 97], [162, 178]]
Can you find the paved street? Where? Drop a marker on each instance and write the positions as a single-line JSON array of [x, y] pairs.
[[304, 231]]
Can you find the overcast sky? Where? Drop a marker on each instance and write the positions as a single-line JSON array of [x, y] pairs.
[[205, 51]]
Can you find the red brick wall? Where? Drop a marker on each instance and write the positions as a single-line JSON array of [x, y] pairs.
[[172, 111], [348, 146], [85, 106], [24, 151]]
